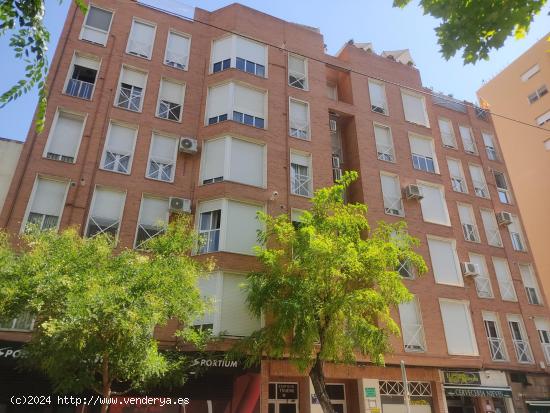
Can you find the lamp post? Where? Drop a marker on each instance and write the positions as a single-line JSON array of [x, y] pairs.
[[406, 394]]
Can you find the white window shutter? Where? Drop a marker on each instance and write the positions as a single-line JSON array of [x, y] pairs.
[[247, 162], [108, 203], [542, 324], [178, 47], [236, 320], [171, 91], [433, 205], [48, 197], [250, 50], [488, 139], [444, 262], [414, 109], [504, 279], [214, 158], [382, 137], [377, 95], [164, 147], [299, 159], [121, 139], [421, 146], [477, 174], [457, 324], [465, 213], [141, 38], [249, 101], [454, 168], [66, 135], [218, 100], [527, 276], [221, 49], [133, 77], [242, 227], [86, 62], [447, 133], [154, 211], [390, 186], [210, 287], [297, 65]]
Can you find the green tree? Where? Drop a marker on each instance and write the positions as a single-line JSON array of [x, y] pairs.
[[478, 26], [24, 20], [327, 286], [96, 307]]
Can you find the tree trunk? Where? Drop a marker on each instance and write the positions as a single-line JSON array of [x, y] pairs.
[[106, 381], [318, 379]]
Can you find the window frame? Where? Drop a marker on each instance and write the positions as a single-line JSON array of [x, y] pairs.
[[462, 177], [107, 140], [492, 316], [92, 204], [400, 201], [146, 23], [306, 69], [535, 287], [175, 158], [452, 241], [378, 154], [506, 192], [485, 229], [484, 273], [441, 189], [53, 126], [119, 87], [444, 119], [159, 95], [421, 331], [413, 135], [486, 189], [493, 147], [473, 337], [84, 25], [310, 173], [517, 318], [233, 55], [472, 214], [509, 281], [71, 70], [383, 86], [423, 99], [181, 34], [138, 223], [299, 101]]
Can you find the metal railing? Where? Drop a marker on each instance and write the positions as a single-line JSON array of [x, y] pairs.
[[523, 351], [497, 347], [79, 88]]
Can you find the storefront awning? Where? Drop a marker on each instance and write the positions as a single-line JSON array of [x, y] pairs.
[[544, 403], [478, 391]]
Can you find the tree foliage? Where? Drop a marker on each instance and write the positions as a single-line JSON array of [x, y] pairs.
[[24, 20], [478, 27], [96, 308], [327, 286]]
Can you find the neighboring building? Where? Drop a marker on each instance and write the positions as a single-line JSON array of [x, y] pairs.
[[520, 91], [127, 81], [9, 156]]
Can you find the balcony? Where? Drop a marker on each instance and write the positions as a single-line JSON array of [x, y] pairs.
[[498, 349], [80, 89], [523, 351]]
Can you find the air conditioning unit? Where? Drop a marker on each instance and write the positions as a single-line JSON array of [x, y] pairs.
[[504, 218], [335, 161], [188, 145], [469, 269], [413, 191], [180, 205], [336, 174]]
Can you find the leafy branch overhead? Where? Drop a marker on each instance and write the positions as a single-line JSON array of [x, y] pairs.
[[478, 27], [24, 20]]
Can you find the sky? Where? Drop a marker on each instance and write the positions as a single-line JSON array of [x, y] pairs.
[[364, 21]]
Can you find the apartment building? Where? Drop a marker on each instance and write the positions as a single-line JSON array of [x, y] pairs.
[[236, 111], [520, 91]]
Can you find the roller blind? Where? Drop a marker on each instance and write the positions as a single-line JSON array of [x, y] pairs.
[[514, 226], [489, 220], [210, 288], [214, 158], [143, 34], [527, 275], [178, 44], [390, 186], [163, 147], [377, 95], [477, 173], [298, 113], [66, 135], [465, 213], [530, 73], [154, 211], [48, 197], [382, 136], [479, 260], [447, 133], [297, 65], [488, 139], [444, 262], [236, 320], [171, 91], [249, 101], [242, 227], [542, 324], [457, 324], [218, 100], [409, 313], [414, 108], [250, 50], [98, 18], [107, 204], [247, 162], [300, 159], [433, 205], [86, 62], [504, 279], [454, 168], [133, 77], [222, 49], [121, 139], [421, 146]]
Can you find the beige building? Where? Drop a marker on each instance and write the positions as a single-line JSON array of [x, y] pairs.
[[9, 156], [520, 92]]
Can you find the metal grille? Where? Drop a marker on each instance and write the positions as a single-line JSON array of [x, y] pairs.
[[395, 388]]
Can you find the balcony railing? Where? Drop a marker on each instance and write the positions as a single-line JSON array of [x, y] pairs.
[[80, 89], [385, 153], [493, 237], [523, 351], [480, 188], [483, 287], [413, 337], [497, 347], [393, 205]]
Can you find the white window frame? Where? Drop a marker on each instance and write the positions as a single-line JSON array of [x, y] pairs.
[[421, 97], [119, 87], [120, 214], [233, 54], [386, 106], [146, 23], [482, 282], [80, 36], [138, 224], [460, 278], [522, 240], [485, 188], [507, 193], [32, 195], [505, 286], [71, 70], [441, 188], [182, 103], [535, 287], [467, 232], [460, 179], [465, 141], [529, 73], [434, 155], [54, 125], [496, 344], [307, 127], [418, 330], [491, 151], [522, 347], [470, 325], [392, 203], [310, 173], [453, 136], [305, 78], [493, 238], [174, 159], [181, 34], [105, 147], [278, 402], [380, 152], [544, 338]]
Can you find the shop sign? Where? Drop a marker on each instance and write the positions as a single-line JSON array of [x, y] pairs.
[[478, 392], [468, 378], [287, 391], [10, 350], [214, 362]]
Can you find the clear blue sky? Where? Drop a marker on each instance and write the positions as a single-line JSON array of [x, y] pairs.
[[373, 21]]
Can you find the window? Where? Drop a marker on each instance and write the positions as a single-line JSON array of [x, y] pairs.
[[494, 337], [447, 133], [332, 91], [502, 187], [445, 265], [478, 179], [530, 284], [457, 324], [23, 322], [65, 135], [96, 25], [458, 181], [543, 329], [228, 225], [82, 77], [504, 279], [141, 39], [488, 140], [491, 228], [119, 148], [283, 397], [433, 204], [131, 89], [298, 119], [297, 72], [236, 102], [542, 119], [229, 315], [384, 143], [516, 234], [530, 73], [105, 212], [405, 269], [337, 395], [537, 94], [519, 338], [300, 174], [468, 139], [391, 192], [46, 204], [415, 108], [411, 326], [233, 159], [153, 218], [468, 222], [482, 281], [177, 50], [162, 158], [423, 156], [240, 53], [377, 92], [170, 104]]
